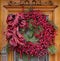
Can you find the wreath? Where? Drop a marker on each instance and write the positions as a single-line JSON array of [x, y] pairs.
[[30, 33]]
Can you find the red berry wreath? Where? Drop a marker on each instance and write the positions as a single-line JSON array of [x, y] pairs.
[[30, 33]]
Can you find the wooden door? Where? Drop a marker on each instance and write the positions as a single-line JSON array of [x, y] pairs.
[[48, 10]]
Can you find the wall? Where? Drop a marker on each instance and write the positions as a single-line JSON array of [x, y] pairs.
[[3, 16]]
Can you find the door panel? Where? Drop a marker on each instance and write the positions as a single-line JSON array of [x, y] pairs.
[[44, 58]]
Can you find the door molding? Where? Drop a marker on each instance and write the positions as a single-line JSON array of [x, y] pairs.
[[47, 10]]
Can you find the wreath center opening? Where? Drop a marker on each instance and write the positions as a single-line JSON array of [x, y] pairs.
[[31, 31]]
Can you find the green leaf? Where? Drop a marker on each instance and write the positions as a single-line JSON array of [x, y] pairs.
[[26, 37], [30, 25], [51, 22], [22, 30], [25, 57], [33, 39], [55, 27], [7, 48], [39, 27], [52, 49]]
